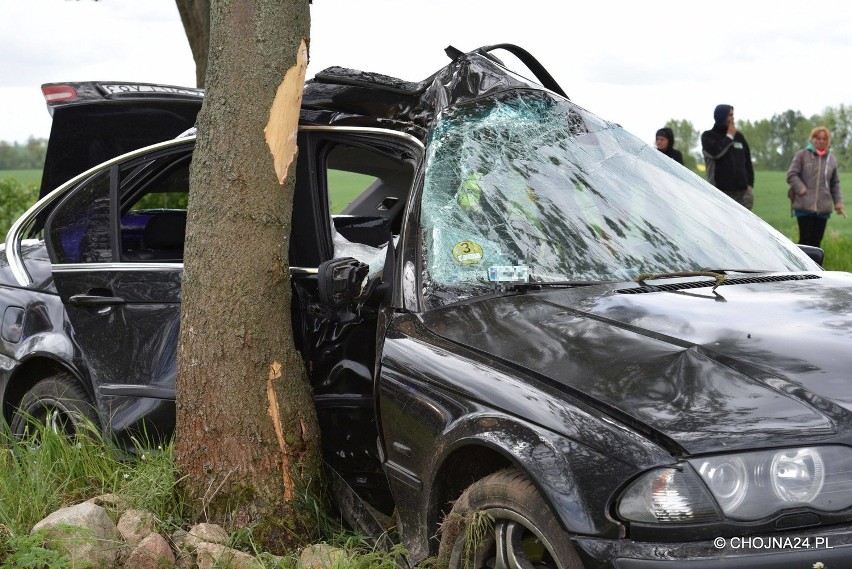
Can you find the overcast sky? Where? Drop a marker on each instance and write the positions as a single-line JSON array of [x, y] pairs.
[[635, 63]]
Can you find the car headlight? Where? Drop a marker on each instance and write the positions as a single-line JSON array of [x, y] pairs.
[[797, 475], [727, 479], [667, 495], [744, 486]]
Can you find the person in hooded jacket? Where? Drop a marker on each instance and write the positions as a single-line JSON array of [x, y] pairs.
[[728, 158], [665, 144], [814, 187]]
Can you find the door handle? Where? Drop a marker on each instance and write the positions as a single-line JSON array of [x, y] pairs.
[[94, 300]]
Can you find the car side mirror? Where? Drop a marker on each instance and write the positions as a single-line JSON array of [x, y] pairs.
[[340, 282], [814, 253]]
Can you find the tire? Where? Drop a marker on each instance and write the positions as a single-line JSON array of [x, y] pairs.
[[57, 402], [519, 530]]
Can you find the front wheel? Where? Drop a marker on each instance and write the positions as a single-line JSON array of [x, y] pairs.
[[58, 403], [501, 522]]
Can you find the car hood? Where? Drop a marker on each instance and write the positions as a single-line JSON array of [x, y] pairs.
[[764, 361]]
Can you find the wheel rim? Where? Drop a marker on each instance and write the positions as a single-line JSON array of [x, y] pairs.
[[513, 542], [55, 418], [59, 422]]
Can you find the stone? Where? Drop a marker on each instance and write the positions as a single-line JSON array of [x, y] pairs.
[[135, 525], [210, 533], [85, 533], [214, 555], [153, 552], [320, 556]]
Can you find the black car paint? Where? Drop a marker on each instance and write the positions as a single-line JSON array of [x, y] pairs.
[[581, 388]]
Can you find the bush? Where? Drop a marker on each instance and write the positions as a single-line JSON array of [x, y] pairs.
[[15, 199]]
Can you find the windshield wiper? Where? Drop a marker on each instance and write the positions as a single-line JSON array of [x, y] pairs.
[[727, 271], [720, 277], [530, 285]]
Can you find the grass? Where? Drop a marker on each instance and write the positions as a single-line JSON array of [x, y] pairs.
[[26, 177], [343, 187], [41, 475]]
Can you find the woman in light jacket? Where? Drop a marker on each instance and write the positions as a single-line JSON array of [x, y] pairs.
[[814, 187]]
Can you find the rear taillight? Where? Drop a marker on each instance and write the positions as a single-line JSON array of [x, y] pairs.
[[55, 93]]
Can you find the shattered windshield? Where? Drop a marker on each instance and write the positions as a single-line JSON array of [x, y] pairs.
[[529, 187]]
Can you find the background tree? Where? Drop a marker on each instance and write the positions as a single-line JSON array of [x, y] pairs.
[[29, 156], [791, 133], [774, 141], [762, 143], [195, 15], [839, 121], [687, 140], [15, 198], [247, 434]]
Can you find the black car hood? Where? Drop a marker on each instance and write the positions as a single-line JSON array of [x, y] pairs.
[[752, 364]]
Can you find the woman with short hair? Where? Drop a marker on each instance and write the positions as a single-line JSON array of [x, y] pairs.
[[814, 187]]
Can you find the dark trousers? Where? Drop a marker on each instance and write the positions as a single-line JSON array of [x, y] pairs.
[[811, 230]]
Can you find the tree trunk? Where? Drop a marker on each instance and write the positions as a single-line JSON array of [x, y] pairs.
[[195, 15], [247, 437]]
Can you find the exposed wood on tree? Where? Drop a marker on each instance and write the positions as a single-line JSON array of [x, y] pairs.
[[247, 435], [284, 115]]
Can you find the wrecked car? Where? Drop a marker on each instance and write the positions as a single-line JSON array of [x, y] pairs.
[[579, 351]]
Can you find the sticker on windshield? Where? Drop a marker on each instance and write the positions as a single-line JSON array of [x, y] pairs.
[[508, 274], [467, 252]]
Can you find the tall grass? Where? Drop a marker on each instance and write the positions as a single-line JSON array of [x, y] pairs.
[[48, 471]]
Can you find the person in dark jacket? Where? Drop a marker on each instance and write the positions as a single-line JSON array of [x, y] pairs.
[[728, 157], [665, 144]]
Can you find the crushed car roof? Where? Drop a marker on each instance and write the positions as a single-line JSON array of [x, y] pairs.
[[94, 121]]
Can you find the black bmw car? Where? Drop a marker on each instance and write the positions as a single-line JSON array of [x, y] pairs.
[[534, 340]]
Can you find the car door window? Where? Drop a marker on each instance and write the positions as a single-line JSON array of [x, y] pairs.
[[366, 192], [78, 231], [153, 210]]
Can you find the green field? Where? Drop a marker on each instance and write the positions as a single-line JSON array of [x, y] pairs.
[[24, 176], [344, 186], [770, 203]]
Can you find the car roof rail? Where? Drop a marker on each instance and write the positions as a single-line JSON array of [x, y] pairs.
[[541, 73]]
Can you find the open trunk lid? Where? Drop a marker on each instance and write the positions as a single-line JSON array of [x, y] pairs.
[[96, 121]]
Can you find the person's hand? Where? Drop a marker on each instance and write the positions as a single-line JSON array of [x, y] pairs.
[[732, 126], [840, 210], [803, 190], [732, 129]]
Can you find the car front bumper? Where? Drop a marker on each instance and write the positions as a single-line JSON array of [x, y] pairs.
[[788, 550]]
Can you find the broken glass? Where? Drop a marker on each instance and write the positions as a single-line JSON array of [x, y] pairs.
[[526, 183]]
